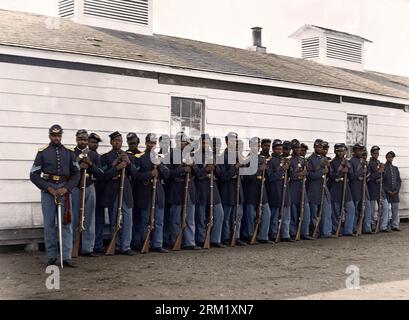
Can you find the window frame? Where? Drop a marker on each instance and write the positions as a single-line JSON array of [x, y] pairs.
[[365, 133], [189, 98]]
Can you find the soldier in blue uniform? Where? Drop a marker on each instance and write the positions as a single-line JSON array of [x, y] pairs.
[[205, 164], [165, 149], [391, 184], [93, 144], [298, 171], [339, 167], [90, 161], [149, 169], [251, 189], [229, 173], [358, 176], [112, 163], [317, 166], [180, 164], [55, 172], [275, 182], [133, 141], [376, 171]]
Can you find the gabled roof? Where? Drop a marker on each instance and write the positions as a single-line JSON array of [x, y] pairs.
[[305, 27], [33, 31]]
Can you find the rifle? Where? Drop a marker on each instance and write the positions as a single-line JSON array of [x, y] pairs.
[[260, 206], [145, 247], [342, 210], [236, 212], [301, 218], [111, 248], [319, 218], [283, 196], [57, 200], [379, 215], [363, 202], [178, 243], [80, 227], [206, 243]]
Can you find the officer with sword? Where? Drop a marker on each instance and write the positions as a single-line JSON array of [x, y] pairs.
[[56, 172]]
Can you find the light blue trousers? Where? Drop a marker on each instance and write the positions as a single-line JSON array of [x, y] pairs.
[[285, 225], [228, 222], [88, 234], [50, 231], [250, 214], [201, 221]]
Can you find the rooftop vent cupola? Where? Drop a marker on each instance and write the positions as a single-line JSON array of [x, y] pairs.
[[331, 47], [256, 33], [124, 15]]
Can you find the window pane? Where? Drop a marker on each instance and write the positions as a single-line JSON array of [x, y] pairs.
[[187, 116], [186, 108], [356, 130], [175, 109]]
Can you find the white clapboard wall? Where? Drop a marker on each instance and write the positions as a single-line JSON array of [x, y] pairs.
[[33, 98]]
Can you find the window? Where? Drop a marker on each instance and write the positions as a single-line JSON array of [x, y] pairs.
[[187, 115], [356, 130]]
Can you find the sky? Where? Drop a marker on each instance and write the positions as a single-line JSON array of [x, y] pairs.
[[229, 22]]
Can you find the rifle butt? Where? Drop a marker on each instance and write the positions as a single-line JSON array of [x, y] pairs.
[[76, 246], [233, 238], [178, 243], [254, 237], [278, 236], [206, 243], [111, 248], [315, 232], [146, 245]]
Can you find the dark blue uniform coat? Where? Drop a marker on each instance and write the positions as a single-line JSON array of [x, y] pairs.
[[111, 179], [143, 183], [55, 160], [275, 179]]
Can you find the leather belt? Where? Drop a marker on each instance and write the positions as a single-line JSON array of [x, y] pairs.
[[54, 178]]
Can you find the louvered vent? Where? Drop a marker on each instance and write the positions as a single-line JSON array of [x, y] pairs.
[[310, 48], [344, 50], [66, 8], [134, 11]]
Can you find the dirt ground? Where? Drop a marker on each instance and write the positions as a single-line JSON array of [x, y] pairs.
[[306, 269]]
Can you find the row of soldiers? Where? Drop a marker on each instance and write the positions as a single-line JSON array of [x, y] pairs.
[[223, 199]]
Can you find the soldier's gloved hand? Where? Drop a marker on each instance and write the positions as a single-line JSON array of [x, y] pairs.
[[121, 165], [344, 170], [155, 173], [188, 169], [52, 191], [62, 191], [84, 165]]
